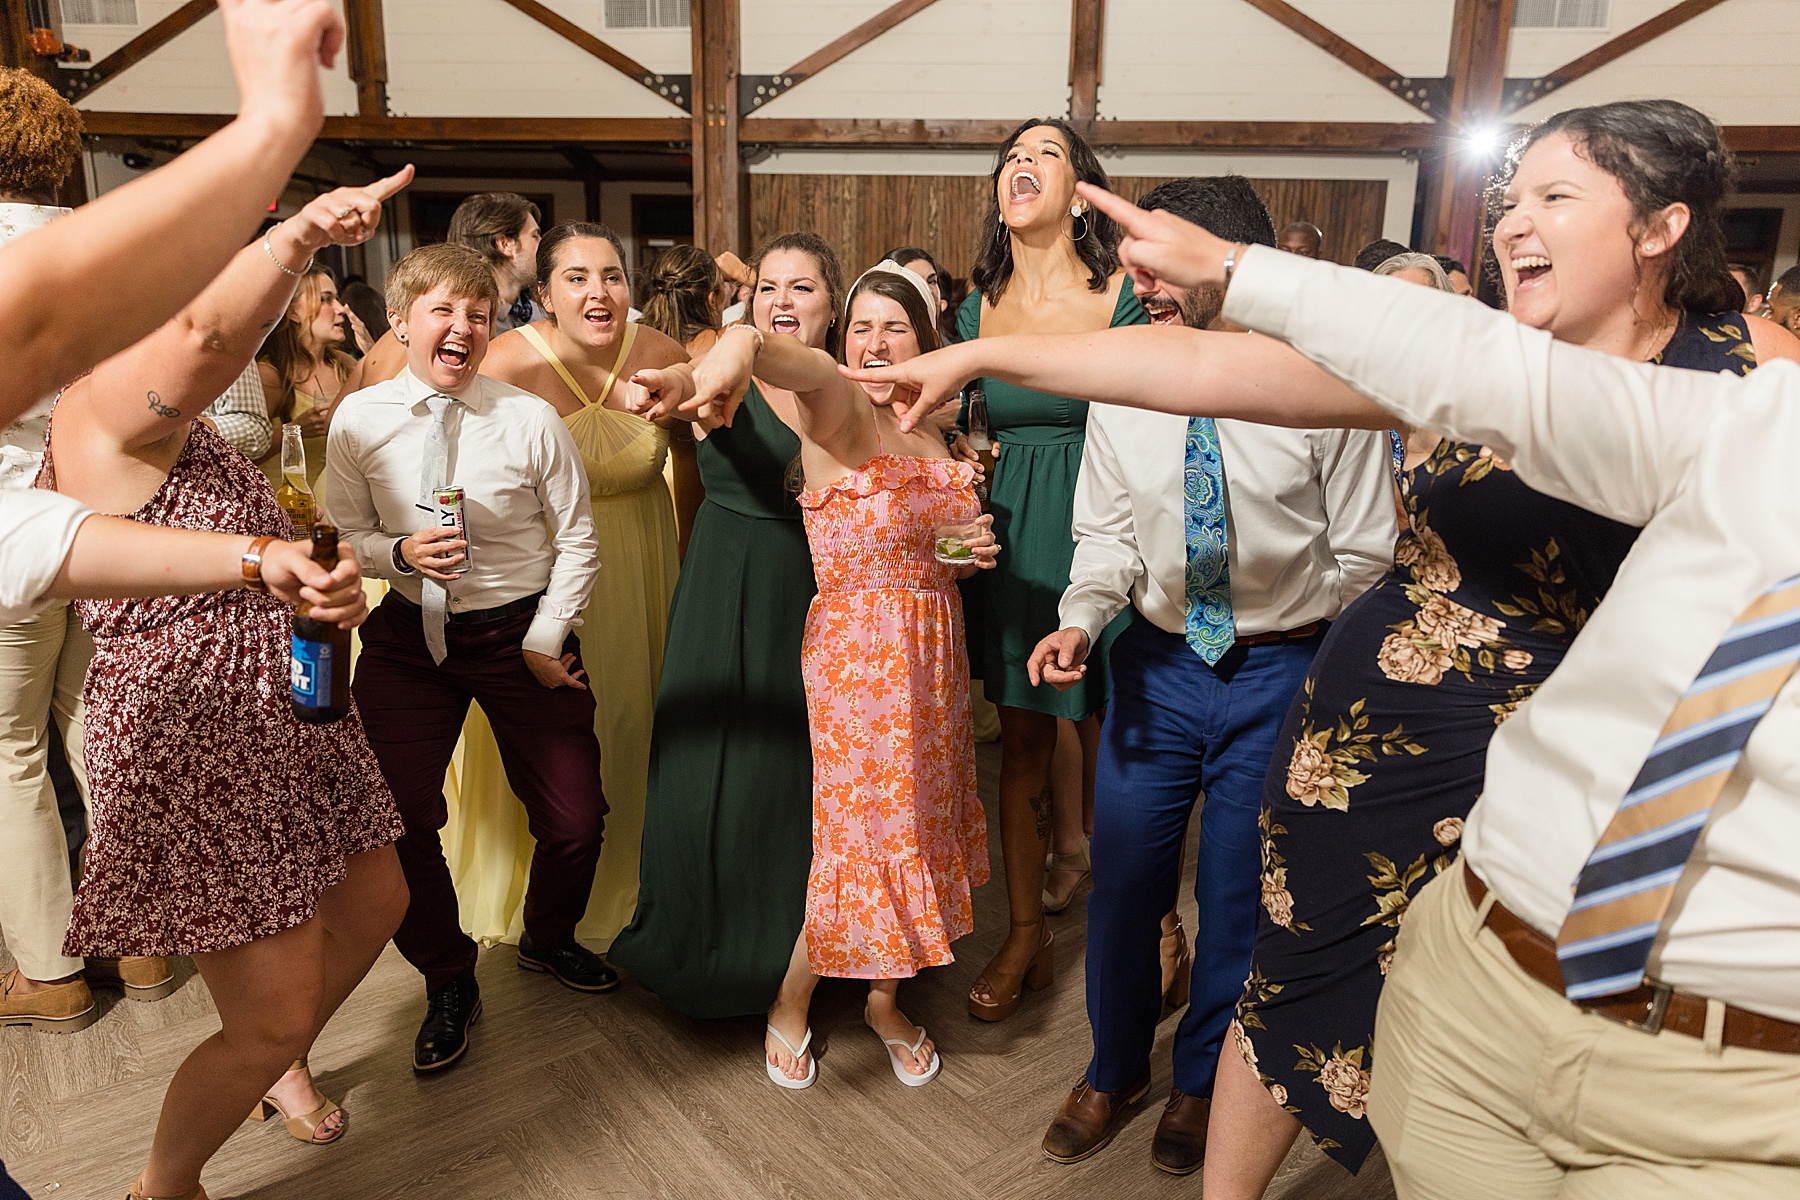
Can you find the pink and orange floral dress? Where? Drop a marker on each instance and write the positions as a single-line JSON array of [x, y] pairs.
[[899, 836]]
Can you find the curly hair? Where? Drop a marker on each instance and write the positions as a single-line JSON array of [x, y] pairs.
[[40, 135]]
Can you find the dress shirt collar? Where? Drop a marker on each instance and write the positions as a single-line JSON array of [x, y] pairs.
[[416, 392]]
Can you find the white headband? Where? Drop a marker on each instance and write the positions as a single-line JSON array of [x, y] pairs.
[[888, 266]]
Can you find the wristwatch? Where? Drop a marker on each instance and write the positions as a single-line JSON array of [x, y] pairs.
[[400, 563], [251, 564]]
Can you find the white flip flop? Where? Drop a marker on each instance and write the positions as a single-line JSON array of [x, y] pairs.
[[900, 1072], [778, 1077]]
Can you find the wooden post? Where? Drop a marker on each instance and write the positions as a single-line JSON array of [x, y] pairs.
[[1471, 149], [368, 56], [721, 185], [1087, 33], [15, 41]]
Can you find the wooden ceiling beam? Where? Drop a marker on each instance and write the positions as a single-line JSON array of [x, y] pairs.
[[673, 88], [619, 130], [756, 90], [1520, 92], [78, 84], [368, 56], [1087, 37], [1426, 95], [1174, 135]]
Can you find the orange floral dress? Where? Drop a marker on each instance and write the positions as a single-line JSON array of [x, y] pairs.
[[899, 836]]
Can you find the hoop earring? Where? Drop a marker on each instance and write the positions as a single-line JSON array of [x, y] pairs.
[[1075, 237], [999, 233]]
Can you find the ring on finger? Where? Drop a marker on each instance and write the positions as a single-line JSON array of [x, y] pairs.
[[342, 213]]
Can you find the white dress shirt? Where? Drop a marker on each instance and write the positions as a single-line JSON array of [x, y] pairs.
[[1706, 464], [37, 531], [525, 496], [1309, 518], [242, 415]]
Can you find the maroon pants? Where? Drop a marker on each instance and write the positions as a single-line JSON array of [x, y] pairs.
[[413, 712]]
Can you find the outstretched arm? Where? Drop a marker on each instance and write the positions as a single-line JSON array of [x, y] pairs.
[[152, 245], [1185, 371], [150, 392]]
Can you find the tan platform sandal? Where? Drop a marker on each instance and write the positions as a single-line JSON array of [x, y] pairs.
[[303, 1127], [137, 1192], [1177, 967], [996, 994], [1076, 864]]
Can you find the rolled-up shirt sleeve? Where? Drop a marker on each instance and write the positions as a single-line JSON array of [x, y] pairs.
[[37, 531], [563, 491]]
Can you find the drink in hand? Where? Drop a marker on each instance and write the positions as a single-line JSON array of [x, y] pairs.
[[295, 494], [320, 665], [981, 441]]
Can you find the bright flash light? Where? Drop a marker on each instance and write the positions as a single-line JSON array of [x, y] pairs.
[[1486, 141]]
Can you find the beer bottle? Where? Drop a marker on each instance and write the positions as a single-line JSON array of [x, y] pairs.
[[981, 441], [295, 494], [320, 667]]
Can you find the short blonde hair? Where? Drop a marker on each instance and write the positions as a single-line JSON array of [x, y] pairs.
[[1414, 261], [462, 270]]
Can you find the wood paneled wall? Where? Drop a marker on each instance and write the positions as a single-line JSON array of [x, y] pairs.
[[865, 216]]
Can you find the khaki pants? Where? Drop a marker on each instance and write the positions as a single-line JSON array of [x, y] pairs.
[[43, 662], [1489, 1084]]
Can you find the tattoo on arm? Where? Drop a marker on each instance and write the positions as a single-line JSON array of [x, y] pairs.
[[161, 409]]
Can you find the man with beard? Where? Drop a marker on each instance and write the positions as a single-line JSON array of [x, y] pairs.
[[1234, 544]]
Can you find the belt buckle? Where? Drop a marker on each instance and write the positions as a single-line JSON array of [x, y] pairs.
[[1660, 994]]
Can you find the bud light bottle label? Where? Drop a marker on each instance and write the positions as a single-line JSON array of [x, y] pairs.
[[310, 673]]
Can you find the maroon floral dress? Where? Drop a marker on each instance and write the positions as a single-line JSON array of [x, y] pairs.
[[218, 818]]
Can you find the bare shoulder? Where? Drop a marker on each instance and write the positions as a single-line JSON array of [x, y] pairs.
[[654, 349], [510, 358], [1770, 340]]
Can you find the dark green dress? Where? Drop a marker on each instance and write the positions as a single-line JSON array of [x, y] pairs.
[[728, 814], [1011, 608]]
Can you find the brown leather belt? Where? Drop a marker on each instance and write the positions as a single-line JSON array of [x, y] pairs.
[[1651, 1007], [1310, 629]]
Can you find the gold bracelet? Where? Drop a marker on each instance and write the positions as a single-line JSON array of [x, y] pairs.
[[281, 266]]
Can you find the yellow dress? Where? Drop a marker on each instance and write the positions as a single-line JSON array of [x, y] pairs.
[[304, 401], [621, 632]]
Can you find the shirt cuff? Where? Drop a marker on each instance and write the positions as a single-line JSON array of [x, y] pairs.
[[1264, 285], [396, 562], [1089, 618], [546, 635]]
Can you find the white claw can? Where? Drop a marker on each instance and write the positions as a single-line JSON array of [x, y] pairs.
[[450, 516]]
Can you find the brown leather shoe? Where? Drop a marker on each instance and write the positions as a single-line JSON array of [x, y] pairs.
[[142, 978], [1088, 1119], [1180, 1144], [58, 1008]]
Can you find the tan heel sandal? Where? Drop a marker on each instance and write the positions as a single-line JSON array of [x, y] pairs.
[[1076, 864], [137, 1192], [302, 1127], [1177, 967], [1006, 988]]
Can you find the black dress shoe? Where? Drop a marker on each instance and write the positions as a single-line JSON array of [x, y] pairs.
[[576, 966], [444, 1036]]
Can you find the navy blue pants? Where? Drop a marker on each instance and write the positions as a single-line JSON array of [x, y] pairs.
[[8, 1189], [1174, 727]]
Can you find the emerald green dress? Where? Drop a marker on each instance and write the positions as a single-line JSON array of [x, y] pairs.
[[1011, 608], [728, 813]]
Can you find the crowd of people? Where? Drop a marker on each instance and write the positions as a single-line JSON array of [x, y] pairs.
[[1473, 629]]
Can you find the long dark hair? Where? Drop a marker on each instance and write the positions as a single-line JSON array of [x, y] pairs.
[[1099, 249], [285, 347], [1662, 152], [886, 283], [678, 293], [831, 273]]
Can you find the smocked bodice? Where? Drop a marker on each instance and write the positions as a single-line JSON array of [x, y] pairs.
[[875, 528], [620, 452]]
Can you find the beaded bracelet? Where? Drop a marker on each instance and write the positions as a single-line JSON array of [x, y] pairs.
[[281, 266]]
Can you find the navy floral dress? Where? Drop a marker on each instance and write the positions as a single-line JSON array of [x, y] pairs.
[[1384, 750]]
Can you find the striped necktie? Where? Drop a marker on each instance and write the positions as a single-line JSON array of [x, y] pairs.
[[1210, 629], [1624, 890]]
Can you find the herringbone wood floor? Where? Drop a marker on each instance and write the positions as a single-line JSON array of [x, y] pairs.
[[568, 1097]]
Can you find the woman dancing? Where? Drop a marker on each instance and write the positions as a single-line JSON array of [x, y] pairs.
[[1048, 265], [1609, 240], [223, 828], [899, 837]]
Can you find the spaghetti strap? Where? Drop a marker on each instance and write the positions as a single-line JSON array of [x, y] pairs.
[[543, 347], [612, 376]]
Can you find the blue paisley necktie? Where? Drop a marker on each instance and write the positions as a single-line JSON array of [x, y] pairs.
[[1210, 628]]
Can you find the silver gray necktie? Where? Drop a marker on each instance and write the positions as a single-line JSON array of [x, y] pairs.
[[432, 476]]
